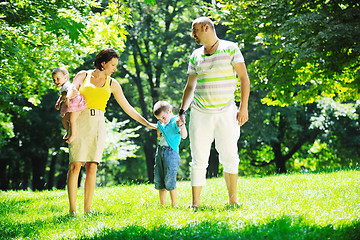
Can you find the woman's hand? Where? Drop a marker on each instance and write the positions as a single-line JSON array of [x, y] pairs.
[[151, 125]]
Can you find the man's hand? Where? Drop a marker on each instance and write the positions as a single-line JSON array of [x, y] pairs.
[[242, 116]]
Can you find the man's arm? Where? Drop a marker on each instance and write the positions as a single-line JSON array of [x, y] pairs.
[[187, 98], [243, 115]]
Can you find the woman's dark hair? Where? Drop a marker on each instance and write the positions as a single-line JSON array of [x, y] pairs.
[[104, 55]]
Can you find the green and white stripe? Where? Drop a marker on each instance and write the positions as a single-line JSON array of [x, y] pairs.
[[216, 78]]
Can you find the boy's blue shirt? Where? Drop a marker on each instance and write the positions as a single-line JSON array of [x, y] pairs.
[[171, 133]]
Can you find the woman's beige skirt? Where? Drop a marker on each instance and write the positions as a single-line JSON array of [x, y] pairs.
[[88, 146]]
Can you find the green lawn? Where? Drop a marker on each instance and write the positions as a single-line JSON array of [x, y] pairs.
[[296, 206]]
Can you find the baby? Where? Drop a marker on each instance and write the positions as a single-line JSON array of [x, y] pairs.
[[73, 102]]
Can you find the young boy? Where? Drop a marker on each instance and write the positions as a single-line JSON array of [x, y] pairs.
[[167, 158], [73, 104]]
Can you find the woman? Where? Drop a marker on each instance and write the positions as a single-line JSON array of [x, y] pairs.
[[96, 86]]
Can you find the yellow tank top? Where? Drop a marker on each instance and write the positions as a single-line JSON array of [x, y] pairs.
[[95, 97]]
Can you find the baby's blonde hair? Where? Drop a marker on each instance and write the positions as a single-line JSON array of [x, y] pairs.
[[60, 69]]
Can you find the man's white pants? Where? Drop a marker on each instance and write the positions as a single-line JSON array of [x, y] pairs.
[[203, 129]]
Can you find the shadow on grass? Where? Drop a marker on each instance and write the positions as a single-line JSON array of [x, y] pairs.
[[17, 206], [13, 230], [284, 228]]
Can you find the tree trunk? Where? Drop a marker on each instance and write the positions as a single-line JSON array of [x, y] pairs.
[[38, 172], [279, 158], [149, 149], [4, 180], [280, 165], [51, 173], [62, 170]]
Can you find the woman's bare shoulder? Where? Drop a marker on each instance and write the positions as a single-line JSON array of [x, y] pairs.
[[79, 78]]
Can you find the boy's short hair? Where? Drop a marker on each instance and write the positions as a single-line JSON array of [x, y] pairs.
[[60, 69], [161, 106], [105, 55]]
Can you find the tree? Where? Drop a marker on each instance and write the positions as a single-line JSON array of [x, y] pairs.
[[38, 36], [299, 52], [37, 157], [120, 149], [35, 38], [321, 135], [32, 38], [155, 60], [314, 47], [340, 131], [274, 134], [25, 157]]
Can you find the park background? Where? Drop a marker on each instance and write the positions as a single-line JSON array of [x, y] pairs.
[[302, 58]]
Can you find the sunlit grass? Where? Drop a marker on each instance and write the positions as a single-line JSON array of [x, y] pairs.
[[297, 206]]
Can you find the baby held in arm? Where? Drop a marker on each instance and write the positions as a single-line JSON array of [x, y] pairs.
[[70, 101]]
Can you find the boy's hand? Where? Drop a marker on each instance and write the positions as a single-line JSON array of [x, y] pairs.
[[180, 121]]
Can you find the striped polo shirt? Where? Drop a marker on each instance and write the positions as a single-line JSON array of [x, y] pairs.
[[216, 77]]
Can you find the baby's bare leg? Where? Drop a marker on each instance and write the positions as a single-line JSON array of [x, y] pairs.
[[73, 117], [65, 121]]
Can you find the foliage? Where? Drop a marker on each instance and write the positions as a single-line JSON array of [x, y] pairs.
[[296, 52], [37, 135], [341, 138], [287, 136], [151, 2], [297, 206], [29, 50], [6, 127], [289, 66], [118, 143], [38, 36], [314, 47], [107, 29], [153, 65], [330, 108], [119, 149]]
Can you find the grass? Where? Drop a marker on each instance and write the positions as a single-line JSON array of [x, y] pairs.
[[296, 206]]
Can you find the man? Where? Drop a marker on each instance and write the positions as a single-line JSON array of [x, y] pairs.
[[210, 88]]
